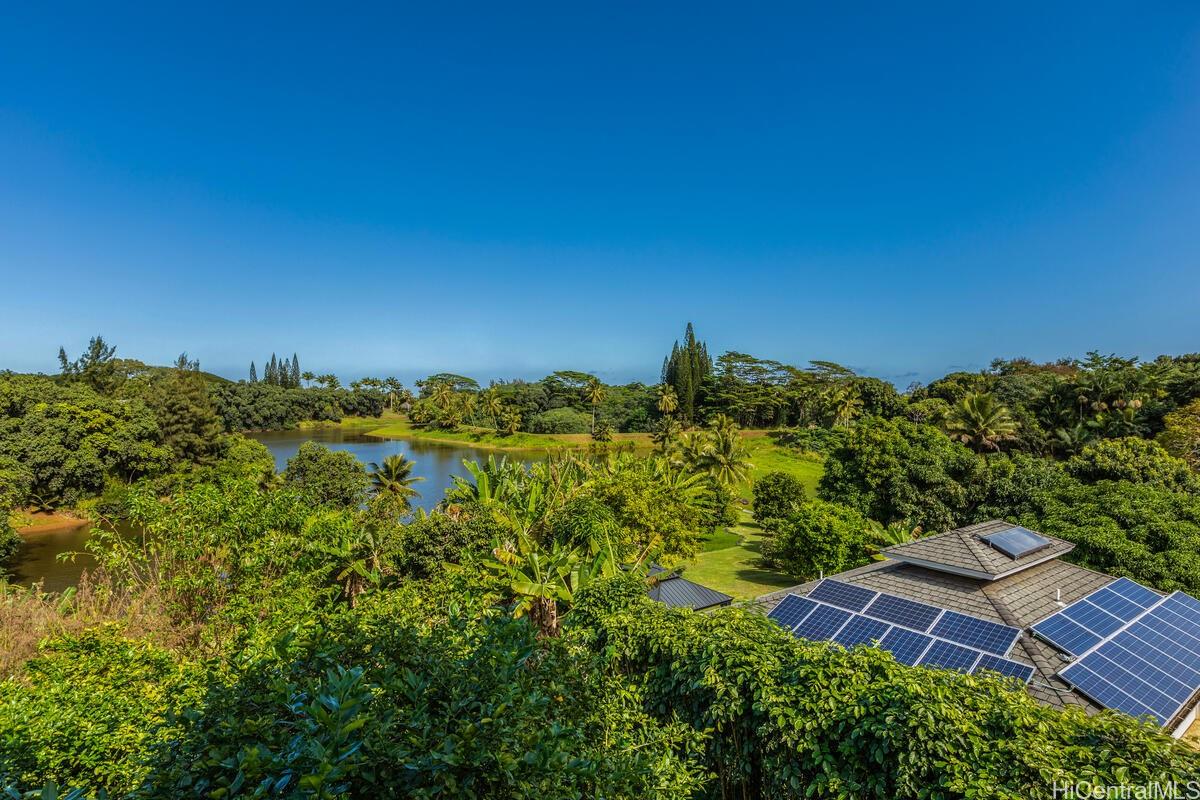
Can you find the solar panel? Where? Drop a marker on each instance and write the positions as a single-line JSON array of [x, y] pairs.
[[1094, 618], [990, 637], [1131, 590], [861, 630], [791, 611], [1017, 542], [1005, 666], [948, 655], [899, 626], [842, 595], [1120, 607], [904, 645], [1066, 635], [1138, 652], [899, 611], [822, 623], [1103, 691]]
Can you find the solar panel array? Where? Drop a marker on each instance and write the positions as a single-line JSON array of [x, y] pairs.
[[1137, 651], [914, 633]]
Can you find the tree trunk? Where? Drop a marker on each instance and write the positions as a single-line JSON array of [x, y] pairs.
[[545, 617]]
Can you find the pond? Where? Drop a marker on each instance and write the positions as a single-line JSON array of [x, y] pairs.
[[435, 462], [38, 558]]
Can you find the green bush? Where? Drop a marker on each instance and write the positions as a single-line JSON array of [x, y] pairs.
[[777, 495], [327, 477], [582, 520], [559, 420], [384, 701], [430, 542], [87, 710], [1134, 460], [820, 536]]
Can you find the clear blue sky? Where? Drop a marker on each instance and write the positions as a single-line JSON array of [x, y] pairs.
[[514, 188]]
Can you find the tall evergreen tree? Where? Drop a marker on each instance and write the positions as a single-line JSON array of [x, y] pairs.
[[253, 373], [685, 371], [272, 374], [294, 377]]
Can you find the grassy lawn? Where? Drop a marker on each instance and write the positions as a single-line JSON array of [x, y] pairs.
[[766, 456], [734, 568]]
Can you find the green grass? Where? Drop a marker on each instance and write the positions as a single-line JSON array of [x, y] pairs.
[[736, 568], [767, 456]]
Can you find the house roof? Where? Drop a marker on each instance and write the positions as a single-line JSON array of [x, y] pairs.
[[1017, 598], [676, 592], [962, 551]]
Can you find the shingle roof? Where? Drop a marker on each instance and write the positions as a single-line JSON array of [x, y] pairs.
[[1019, 599], [962, 551], [679, 592]]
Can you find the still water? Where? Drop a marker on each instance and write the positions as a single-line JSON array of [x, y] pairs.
[[38, 558], [436, 463]]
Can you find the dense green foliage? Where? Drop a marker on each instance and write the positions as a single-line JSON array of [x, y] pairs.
[[1131, 508], [892, 470], [69, 439], [327, 477], [262, 406], [819, 537], [777, 495]]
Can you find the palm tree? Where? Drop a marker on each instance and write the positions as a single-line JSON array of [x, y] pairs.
[[726, 459], [666, 434], [881, 536], [492, 405], [395, 477], [668, 401], [594, 391], [442, 396], [980, 422]]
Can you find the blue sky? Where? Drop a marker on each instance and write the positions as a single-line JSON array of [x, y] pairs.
[[503, 189]]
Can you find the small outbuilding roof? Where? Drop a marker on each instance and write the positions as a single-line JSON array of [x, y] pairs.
[[677, 592]]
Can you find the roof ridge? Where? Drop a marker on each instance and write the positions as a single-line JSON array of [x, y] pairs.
[[970, 544]]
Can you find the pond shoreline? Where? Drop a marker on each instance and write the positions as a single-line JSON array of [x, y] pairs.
[[51, 522]]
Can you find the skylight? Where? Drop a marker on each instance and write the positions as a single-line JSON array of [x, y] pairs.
[[1016, 542]]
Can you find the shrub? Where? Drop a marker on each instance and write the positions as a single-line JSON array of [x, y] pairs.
[[1135, 460], [88, 709], [327, 477], [559, 420], [819, 536], [429, 542], [582, 520], [777, 495]]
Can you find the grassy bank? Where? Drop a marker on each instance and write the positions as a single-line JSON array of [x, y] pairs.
[[488, 439], [730, 562]]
